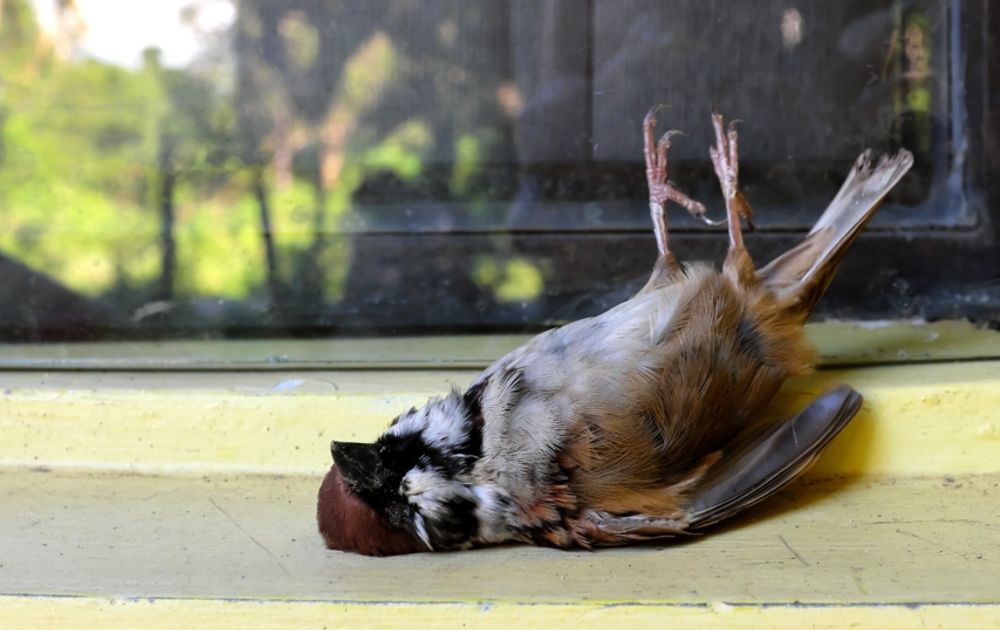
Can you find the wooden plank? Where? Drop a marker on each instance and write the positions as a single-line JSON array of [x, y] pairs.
[[169, 614], [916, 542], [917, 419]]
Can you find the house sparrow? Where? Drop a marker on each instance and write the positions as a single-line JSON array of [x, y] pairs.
[[638, 424]]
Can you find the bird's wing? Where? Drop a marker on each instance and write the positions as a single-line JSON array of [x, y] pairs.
[[756, 469]]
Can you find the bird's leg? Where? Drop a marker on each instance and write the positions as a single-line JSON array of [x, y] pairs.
[[661, 190], [725, 159]]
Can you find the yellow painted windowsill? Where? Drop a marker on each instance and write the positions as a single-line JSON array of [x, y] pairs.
[[939, 418], [152, 498]]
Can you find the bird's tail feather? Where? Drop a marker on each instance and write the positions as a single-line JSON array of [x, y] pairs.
[[766, 464], [804, 272]]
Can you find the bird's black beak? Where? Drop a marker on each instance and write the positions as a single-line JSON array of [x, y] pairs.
[[360, 465]]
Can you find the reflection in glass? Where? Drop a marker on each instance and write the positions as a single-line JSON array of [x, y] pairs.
[[277, 167]]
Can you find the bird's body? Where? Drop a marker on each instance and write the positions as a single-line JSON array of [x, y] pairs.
[[627, 430], [631, 425]]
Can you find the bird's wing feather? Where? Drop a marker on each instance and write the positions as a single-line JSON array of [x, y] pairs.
[[763, 465], [755, 470]]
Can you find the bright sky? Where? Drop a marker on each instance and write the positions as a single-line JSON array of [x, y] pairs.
[[117, 31]]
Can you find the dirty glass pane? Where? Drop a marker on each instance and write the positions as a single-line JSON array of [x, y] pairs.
[[207, 168]]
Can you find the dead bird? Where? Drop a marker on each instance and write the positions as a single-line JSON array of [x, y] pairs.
[[638, 424]]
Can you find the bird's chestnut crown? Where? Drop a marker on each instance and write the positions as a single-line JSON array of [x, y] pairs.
[[349, 524]]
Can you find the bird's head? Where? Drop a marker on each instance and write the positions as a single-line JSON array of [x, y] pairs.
[[349, 524], [410, 490]]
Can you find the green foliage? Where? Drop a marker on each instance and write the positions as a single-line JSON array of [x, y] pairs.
[[84, 147], [467, 158], [88, 150], [223, 241], [18, 35], [74, 170], [514, 280]]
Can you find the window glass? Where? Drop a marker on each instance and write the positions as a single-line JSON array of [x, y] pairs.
[[204, 168]]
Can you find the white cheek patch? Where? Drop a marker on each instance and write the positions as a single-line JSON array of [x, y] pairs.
[[426, 490], [430, 492], [419, 481]]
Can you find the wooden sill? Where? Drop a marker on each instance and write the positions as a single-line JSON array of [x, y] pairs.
[[151, 498], [127, 551], [937, 418]]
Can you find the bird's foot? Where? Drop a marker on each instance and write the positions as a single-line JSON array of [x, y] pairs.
[[725, 159], [661, 189]]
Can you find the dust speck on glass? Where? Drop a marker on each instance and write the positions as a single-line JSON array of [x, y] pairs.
[[223, 168]]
